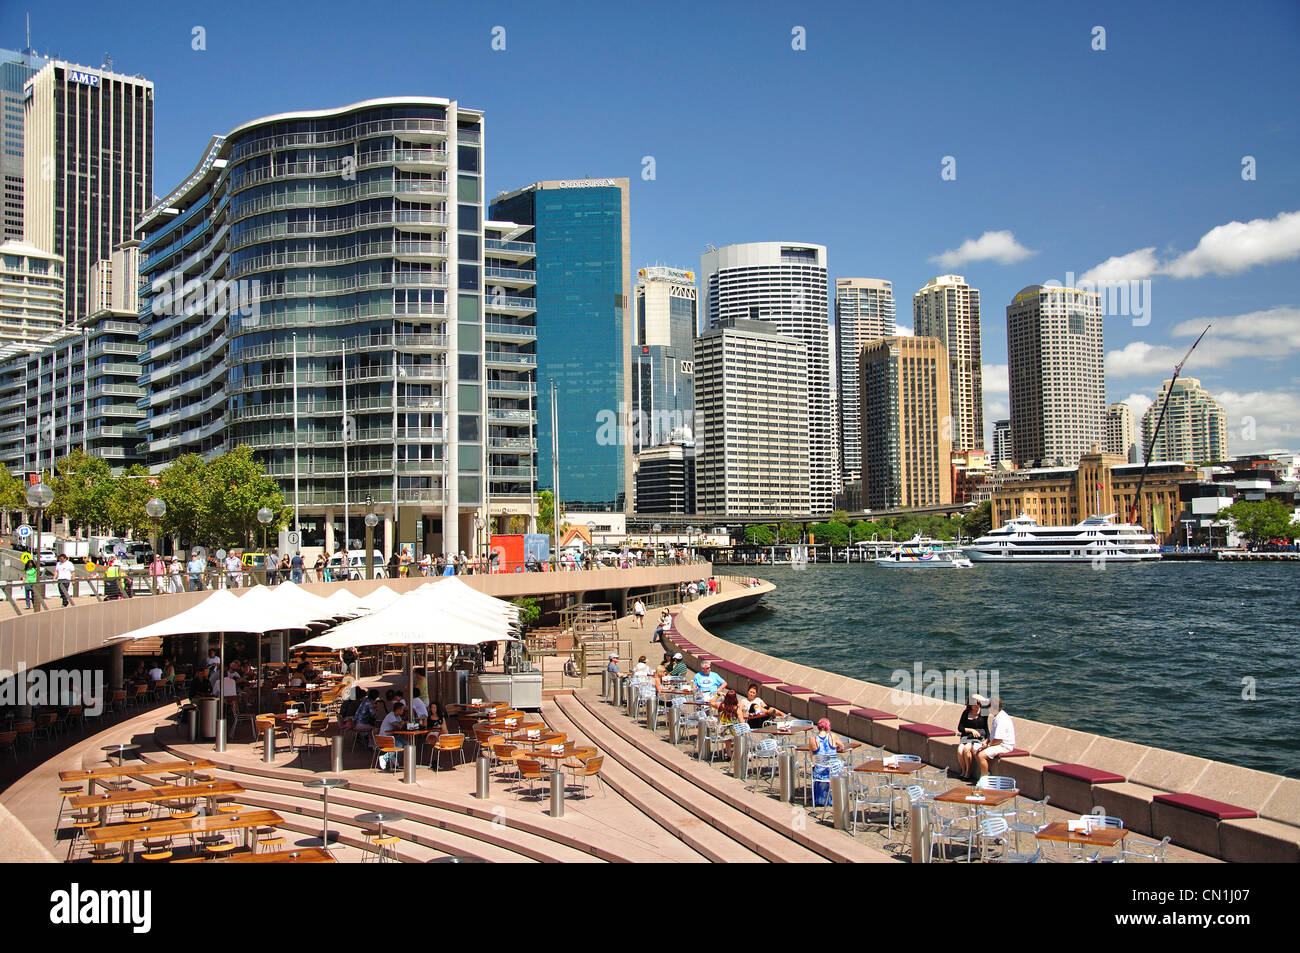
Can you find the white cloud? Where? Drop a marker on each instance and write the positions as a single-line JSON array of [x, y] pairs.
[[1000, 246], [993, 378], [1238, 246], [903, 331], [1273, 333], [1134, 266], [1139, 403], [1140, 359], [1272, 417]]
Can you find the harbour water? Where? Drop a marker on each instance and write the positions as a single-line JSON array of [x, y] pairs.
[[1193, 657]]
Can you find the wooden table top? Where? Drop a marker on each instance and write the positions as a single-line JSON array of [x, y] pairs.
[[876, 766], [1099, 837], [210, 823], [166, 792], [117, 771], [303, 855], [992, 798]]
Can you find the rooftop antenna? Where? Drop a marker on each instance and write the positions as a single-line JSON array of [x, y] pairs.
[[108, 61], [1155, 435]]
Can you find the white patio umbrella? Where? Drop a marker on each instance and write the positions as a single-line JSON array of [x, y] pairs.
[[345, 604], [381, 598], [295, 596]]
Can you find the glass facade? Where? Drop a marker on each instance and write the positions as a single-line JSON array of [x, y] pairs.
[[583, 334]]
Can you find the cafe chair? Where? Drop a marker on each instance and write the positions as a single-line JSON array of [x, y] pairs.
[[992, 835], [1030, 817], [867, 796], [65, 792], [269, 841], [104, 854], [504, 757], [1100, 855], [530, 770], [382, 849], [1143, 851], [81, 823], [947, 826], [590, 768], [157, 851], [450, 744], [385, 745], [764, 752]]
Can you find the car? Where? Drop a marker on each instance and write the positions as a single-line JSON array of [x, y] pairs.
[[356, 565], [254, 560], [48, 558]]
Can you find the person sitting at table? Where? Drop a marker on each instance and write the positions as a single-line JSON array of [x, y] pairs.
[[394, 720], [678, 669], [168, 672], [612, 667], [437, 718], [364, 719], [419, 710], [825, 745], [1002, 737], [641, 669], [972, 729], [754, 710], [707, 682], [297, 679], [728, 713], [155, 672]]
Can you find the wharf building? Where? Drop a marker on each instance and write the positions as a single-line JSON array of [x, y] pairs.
[[76, 388], [864, 312], [906, 441], [1195, 429], [1056, 375], [948, 309], [87, 167], [315, 289], [581, 235], [751, 454], [784, 285]]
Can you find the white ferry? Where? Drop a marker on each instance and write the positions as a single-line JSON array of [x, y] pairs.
[[1096, 539], [921, 553]]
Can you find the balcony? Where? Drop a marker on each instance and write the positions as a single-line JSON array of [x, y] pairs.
[[511, 444], [500, 330], [510, 360], [516, 389]]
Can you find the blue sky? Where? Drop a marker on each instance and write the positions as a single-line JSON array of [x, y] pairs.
[[1066, 156]]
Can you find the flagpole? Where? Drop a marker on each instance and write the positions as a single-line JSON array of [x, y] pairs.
[[297, 528], [343, 350]]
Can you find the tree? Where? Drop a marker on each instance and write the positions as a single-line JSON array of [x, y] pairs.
[[759, 535], [546, 512], [12, 498], [83, 488], [530, 610], [978, 521], [834, 532], [180, 486], [789, 533], [1260, 520], [234, 488], [127, 496]]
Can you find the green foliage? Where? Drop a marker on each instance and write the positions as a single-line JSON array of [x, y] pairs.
[[834, 532], [546, 512], [1260, 520], [759, 535], [11, 491], [530, 609], [127, 496], [180, 486], [83, 488], [978, 521], [234, 488], [789, 532]]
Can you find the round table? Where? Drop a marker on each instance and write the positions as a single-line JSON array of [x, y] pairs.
[[381, 818], [456, 859], [119, 750], [325, 785], [411, 734]]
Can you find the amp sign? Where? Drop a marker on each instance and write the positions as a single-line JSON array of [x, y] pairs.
[[85, 79]]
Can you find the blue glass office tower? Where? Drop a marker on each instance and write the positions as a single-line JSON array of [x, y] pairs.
[[15, 70], [581, 231]]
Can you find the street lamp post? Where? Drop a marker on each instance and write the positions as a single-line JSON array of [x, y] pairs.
[[371, 522], [264, 516], [156, 509], [39, 496], [478, 540]]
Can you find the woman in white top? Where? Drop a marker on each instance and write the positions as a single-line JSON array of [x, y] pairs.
[[642, 669]]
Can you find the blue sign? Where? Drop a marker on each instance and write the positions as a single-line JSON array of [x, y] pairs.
[[85, 79], [537, 546], [24, 531]]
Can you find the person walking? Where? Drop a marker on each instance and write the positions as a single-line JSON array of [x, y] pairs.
[[295, 567], [31, 576], [639, 611], [63, 576], [177, 568], [195, 568], [157, 574]]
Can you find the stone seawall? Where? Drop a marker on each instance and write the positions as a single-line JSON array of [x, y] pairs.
[[1234, 813]]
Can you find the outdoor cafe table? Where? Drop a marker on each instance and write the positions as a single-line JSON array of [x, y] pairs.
[[128, 834], [166, 792], [120, 750], [1059, 831], [304, 855], [91, 775], [895, 771], [381, 818]]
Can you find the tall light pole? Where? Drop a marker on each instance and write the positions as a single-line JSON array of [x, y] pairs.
[[371, 522], [655, 529], [264, 516], [156, 509], [343, 376], [39, 497], [478, 536], [296, 527]]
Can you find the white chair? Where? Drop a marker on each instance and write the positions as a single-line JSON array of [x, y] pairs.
[[1030, 818], [871, 796], [765, 753], [949, 827], [1143, 851], [993, 833], [1103, 821]]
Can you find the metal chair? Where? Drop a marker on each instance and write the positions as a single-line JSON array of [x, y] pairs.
[[992, 833], [765, 752], [448, 744], [1143, 851], [1030, 818], [949, 827], [870, 796]]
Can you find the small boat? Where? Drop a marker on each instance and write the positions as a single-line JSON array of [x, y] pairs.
[[921, 553]]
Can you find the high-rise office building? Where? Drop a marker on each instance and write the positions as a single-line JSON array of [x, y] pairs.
[[1001, 443], [1121, 431], [87, 167], [582, 234], [1195, 429], [864, 312], [751, 454], [31, 293], [1056, 375], [906, 445], [948, 309], [15, 70], [784, 284], [665, 480], [663, 354], [315, 290]]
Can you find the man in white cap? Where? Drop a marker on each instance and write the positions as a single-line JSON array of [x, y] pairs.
[[1002, 737], [678, 669], [612, 668]]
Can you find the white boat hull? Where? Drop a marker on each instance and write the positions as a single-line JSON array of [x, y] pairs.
[[980, 557], [958, 563]]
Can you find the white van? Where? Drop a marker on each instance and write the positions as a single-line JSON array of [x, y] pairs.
[[356, 565]]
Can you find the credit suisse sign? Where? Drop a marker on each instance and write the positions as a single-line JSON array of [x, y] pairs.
[[585, 183]]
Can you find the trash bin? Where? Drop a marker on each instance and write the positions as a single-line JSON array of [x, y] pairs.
[[785, 775], [740, 755], [840, 802], [191, 716], [207, 717], [920, 822]]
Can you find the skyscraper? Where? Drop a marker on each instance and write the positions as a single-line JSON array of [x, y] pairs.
[[752, 448], [948, 309], [31, 293], [315, 291], [1056, 375], [1001, 443], [663, 390], [864, 312], [15, 70], [785, 285], [1195, 429], [582, 234], [1121, 432], [906, 445], [87, 167]]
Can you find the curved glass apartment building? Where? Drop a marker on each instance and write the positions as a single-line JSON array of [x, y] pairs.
[[342, 251]]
